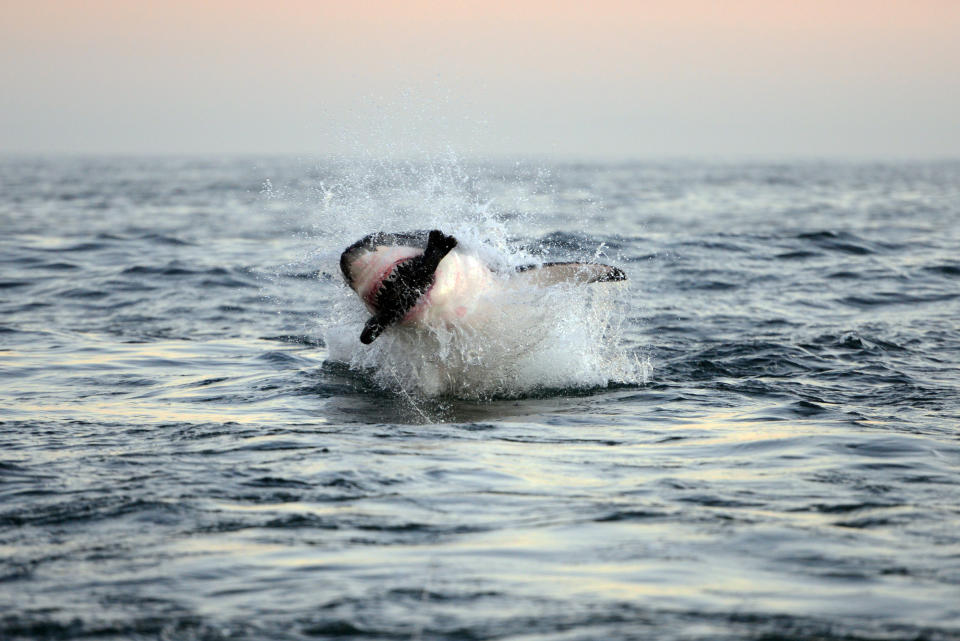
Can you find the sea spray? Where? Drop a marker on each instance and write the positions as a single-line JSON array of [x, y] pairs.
[[530, 339], [539, 339]]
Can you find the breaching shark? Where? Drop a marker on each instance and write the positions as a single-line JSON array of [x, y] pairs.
[[421, 277]]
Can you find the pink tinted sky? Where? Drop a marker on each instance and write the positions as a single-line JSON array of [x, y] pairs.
[[862, 78]]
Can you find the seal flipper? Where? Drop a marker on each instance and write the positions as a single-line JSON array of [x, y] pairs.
[[371, 330], [438, 246]]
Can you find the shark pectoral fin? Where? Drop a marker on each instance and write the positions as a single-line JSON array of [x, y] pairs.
[[577, 273], [371, 330], [608, 274]]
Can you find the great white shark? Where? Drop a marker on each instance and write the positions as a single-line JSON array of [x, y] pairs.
[[422, 277]]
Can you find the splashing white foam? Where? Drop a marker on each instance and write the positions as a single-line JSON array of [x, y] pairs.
[[530, 339]]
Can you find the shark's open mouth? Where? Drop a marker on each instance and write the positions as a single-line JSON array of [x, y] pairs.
[[387, 276]]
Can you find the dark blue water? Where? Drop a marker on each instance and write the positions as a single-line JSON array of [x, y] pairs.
[[762, 441]]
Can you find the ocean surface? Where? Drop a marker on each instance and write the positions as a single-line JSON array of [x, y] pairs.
[[755, 438]]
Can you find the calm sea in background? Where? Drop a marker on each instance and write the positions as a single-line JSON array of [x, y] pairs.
[[761, 441]]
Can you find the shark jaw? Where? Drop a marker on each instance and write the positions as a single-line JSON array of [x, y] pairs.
[[393, 280]]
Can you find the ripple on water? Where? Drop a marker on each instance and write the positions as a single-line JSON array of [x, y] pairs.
[[183, 458]]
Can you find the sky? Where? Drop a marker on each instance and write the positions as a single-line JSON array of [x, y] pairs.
[[598, 79]]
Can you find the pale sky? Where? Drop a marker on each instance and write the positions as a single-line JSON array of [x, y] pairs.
[[604, 78]]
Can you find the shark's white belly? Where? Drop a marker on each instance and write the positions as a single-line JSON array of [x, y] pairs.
[[461, 283]]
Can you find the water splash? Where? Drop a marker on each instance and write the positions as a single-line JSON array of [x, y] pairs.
[[531, 338]]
